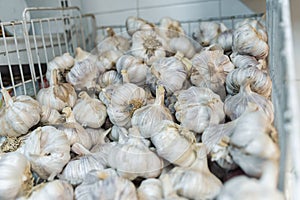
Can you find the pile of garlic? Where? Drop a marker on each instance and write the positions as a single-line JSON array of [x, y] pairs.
[[155, 115]]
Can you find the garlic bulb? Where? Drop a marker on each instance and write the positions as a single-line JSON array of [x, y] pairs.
[[116, 131], [98, 136], [113, 42], [260, 81], [234, 106], [61, 63], [85, 71], [243, 61], [147, 117], [108, 78], [57, 189], [170, 28], [197, 108], [182, 44], [89, 111], [48, 151], [196, 181], [125, 100], [150, 189], [136, 69], [134, 159], [105, 185], [208, 32], [264, 188], [174, 143], [225, 40], [109, 58], [15, 179], [134, 24], [58, 95], [18, 114], [257, 25], [209, 70], [148, 45], [74, 131], [169, 72], [169, 191], [51, 116], [246, 40], [78, 167]]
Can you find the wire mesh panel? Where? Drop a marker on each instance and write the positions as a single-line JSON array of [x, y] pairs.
[[27, 46]]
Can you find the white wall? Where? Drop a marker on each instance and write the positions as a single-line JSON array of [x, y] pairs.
[[115, 12]]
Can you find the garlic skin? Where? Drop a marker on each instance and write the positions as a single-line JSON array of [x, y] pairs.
[[174, 143], [58, 95], [169, 72], [134, 24], [182, 44], [48, 151], [235, 106], [136, 69], [196, 181], [257, 25], [210, 68], [110, 77], [61, 63], [77, 168], [18, 114], [170, 28], [113, 42], [169, 192], [148, 46], [247, 40], [125, 99], [225, 40], [57, 189], [147, 117], [197, 108], [109, 58], [89, 112], [150, 189], [260, 81], [133, 158], [208, 32], [244, 61], [51, 116], [16, 178], [105, 185]]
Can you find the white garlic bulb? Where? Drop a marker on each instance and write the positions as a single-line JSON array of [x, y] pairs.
[[85, 71], [148, 45], [264, 188], [110, 77], [196, 181], [247, 40], [243, 61], [209, 70], [147, 117], [197, 108], [18, 114], [182, 44], [133, 158], [76, 169], [150, 189], [109, 58], [225, 40], [98, 136], [257, 25], [136, 69], [208, 32], [105, 185], [260, 81], [234, 106], [61, 63], [89, 111], [134, 24], [51, 116], [169, 192], [57, 189], [170, 28], [174, 143], [169, 72], [73, 130], [125, 100], [16, 178], [58, 95], [113, 42], [48, 151]]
